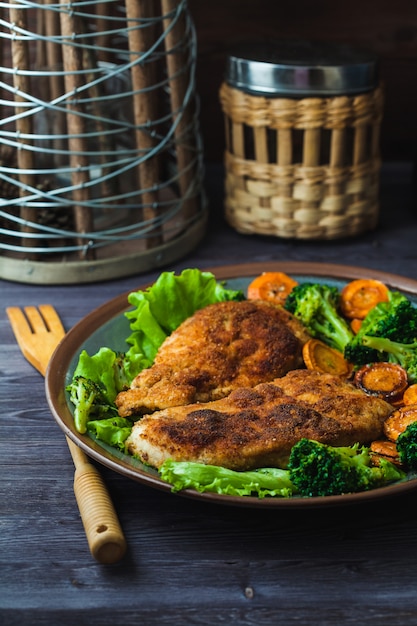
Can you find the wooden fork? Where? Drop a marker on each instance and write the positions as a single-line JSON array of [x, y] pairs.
[[38, 332]]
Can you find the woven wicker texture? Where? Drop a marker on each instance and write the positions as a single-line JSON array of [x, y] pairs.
[[306, 168]]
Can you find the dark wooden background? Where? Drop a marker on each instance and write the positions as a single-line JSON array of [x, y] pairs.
[[387, 27]]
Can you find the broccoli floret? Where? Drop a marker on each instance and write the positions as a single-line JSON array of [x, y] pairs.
[[358, 354], [122, 379], [89, 400], [395, 320], [316, 306], [407, 447], [318, 469]]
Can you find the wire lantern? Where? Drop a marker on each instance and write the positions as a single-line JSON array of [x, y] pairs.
[[101, 161]]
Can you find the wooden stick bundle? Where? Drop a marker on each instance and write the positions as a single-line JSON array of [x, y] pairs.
[[105, 143], [144, 106], [73, 65], [102, 39], [179, 80], [50, 57], [21, 82]]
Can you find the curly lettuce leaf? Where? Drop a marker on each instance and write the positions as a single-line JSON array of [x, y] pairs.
[[114, 431], [263, 482]]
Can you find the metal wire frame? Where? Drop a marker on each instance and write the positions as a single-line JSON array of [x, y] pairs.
[[106, 165]]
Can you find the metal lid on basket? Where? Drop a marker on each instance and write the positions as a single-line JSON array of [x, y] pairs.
[[301, 69]]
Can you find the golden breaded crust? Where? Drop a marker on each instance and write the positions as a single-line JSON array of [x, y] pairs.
[[257, 427], [222, 347]]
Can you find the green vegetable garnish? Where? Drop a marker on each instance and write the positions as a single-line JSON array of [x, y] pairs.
[[113, 431], [269, 481], [317, 469], [89, 398], [407, 447], [316, 306], [395, 323]]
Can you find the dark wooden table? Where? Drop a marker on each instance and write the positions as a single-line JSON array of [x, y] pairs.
[[192, 562]]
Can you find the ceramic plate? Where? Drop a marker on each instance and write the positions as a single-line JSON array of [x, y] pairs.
[[108, 326]]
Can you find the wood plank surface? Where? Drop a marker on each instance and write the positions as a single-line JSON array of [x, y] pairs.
[[191, 562]]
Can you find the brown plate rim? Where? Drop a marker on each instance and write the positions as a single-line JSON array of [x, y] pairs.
[[75, 338]]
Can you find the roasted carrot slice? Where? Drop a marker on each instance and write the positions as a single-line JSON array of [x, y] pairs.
[[383, 449], [385, 380], [319, 356], [355, 325], [410, 395], [398, 421], [271, 286], [359, 296]]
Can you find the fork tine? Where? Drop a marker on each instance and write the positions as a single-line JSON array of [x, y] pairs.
[[52, 319], [35, 338], [18, 322], [24, 335], [35, 319]]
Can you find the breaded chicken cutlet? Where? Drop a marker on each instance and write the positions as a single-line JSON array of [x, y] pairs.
[[257, 427], [220, 348]]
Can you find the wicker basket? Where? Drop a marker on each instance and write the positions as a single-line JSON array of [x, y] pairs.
[[304, 168]]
